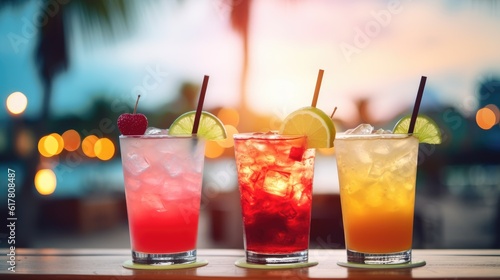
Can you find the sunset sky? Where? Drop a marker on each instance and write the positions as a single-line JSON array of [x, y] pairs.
[[368, 49]]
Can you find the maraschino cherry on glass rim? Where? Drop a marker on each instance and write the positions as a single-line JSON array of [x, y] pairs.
[[133, 124]]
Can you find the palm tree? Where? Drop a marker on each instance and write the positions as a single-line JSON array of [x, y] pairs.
[[240, 20], [52, 57]]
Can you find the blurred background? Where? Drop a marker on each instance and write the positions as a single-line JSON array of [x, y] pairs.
[[69, 68]]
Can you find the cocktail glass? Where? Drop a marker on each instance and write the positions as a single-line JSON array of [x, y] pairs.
[[163, 179], [377, 177], [275, 175]]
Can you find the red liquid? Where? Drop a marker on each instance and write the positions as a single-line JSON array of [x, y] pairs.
[[275, 179], [171, 231]]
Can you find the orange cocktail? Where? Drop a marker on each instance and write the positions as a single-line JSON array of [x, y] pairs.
[[377, 175]]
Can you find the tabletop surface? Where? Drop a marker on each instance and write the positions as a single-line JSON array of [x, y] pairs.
[[107, 264]]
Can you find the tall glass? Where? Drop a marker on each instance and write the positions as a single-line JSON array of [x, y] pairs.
[[163, 178], [377, 175], [275, 175]]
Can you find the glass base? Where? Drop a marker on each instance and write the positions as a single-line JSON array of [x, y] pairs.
[[389, 258], [164, 259], [295, 257]]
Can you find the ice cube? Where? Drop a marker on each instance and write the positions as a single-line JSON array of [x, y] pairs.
[[154, 201], [173, 168], [300, 195], [153, 177], [244, 159], [156, 131], [361, 129], [266, 159], [192, 181], [352, 188], [402, 165], [135, 163], [248, 176], [382, 149], [132, 184], [382, 131], [277, 183], [377, 169], [173, 190]]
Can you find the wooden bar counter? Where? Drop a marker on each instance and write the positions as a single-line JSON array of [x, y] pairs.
[[75, 264]]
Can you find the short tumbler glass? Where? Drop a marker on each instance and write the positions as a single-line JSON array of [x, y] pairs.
[[275, 175], [377, 177], [163, 179]]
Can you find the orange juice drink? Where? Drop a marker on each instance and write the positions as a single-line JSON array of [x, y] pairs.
[[377, 176]]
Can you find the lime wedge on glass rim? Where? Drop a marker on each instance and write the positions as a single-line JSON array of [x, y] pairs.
[[312, 122], [210, 127], [426, 130]]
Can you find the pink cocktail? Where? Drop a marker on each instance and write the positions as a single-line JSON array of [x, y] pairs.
[[275, 175], [163, 178]]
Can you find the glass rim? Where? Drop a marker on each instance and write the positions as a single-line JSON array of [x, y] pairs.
[[343, 136], [159, 136], [266, 136]]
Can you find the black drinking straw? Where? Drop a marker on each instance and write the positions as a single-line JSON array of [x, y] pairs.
[[333, 113], [201, 99], [318, 86], [416, 107]]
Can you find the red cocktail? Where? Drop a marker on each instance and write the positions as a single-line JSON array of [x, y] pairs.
[[275, 174], [163, 177]]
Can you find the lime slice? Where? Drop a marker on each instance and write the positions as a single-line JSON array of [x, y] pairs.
[[426, 130], [210, 127], [312, 122]]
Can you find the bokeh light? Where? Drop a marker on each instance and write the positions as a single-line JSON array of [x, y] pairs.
[[485, 118], [104, 149], [495, 110], [51, 145], [41, 147], [45, 181], [16, 103], [88, 144], [71, 140], [54, 144], [229, 116], [229, 141], [60, 142], [24, 142], [213, 149]]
